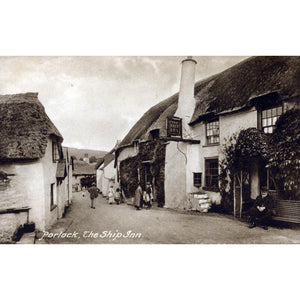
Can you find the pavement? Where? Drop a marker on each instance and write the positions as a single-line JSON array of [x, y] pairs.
[[123, 224]]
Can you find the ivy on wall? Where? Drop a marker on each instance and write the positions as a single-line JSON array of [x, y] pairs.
[[157, 170], [285, 156], [279, 151], [129, 175], [154, 153]]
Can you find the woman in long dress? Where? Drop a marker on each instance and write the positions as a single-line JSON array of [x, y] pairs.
[[138, 197], [111, 196]]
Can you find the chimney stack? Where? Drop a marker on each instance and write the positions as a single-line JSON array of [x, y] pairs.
[[186, 100]]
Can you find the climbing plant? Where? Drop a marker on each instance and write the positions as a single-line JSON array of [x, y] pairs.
[[129, 175], [278, 151], [285, 156], [227, 169], [157, 170], [154, 153]]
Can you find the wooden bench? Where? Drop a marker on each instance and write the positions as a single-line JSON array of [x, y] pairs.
[[287, 211]]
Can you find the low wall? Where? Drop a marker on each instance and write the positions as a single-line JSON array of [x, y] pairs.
[[9, 222]]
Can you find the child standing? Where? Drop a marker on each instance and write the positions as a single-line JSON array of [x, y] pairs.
[[93, 194], [118, 196], [111, 198], [83, 191], [148, 195]]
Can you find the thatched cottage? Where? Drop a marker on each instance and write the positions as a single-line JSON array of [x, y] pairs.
[[182, 144], [82, 171], [106, 173], [33, 169]]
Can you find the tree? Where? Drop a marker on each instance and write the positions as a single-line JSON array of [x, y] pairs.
[[93, 159]]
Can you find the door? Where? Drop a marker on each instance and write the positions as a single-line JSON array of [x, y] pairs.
[[241, 192]]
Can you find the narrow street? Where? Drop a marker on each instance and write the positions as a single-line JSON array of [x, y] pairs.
[[122, 224]]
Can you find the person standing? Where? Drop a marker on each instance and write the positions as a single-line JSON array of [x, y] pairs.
[[83, 191], [138, 197], [148, 196], [118, 196], [111, 197], [93, 194]]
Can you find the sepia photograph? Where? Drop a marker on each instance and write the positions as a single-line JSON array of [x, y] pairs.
[[149, 150]]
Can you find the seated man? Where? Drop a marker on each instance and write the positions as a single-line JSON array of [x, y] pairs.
[[262, 210]]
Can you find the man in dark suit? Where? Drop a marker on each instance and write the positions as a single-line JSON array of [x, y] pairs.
[[262, 210], [93, 194]]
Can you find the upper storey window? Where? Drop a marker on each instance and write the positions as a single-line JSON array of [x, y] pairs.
[[213, 132], [55, 152], [269, 109], [269, 117]]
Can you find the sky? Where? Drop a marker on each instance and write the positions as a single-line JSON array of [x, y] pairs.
[[95, 100]]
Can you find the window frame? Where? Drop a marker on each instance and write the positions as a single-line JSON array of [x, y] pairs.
[[206, 175], [52, 197], [197, 179], [155, 134], [207, 137], [55, 152], [261, 117], [136, 146]]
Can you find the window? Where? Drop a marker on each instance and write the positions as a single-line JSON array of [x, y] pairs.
[[55, 153], [211, 174], [197, 179], [269, 118], [52, 201], [136, 146], [212, 132], [154, 134], [270, 179]]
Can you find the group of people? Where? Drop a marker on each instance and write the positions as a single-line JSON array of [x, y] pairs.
[[93, 191], [260, 213], [143, 198], [114, 196]]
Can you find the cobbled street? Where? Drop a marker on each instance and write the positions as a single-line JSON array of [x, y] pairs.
[[122, 224]]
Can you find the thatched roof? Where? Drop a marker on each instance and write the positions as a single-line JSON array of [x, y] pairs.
[[235, 87], [154, 118], [99, 163], [229, 90], [108, 158], [24, 127], [82, 168]]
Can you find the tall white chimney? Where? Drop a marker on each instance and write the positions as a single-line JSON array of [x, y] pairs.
[[186, 100]]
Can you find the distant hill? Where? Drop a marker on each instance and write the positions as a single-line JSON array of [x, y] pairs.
[[78, 153]]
